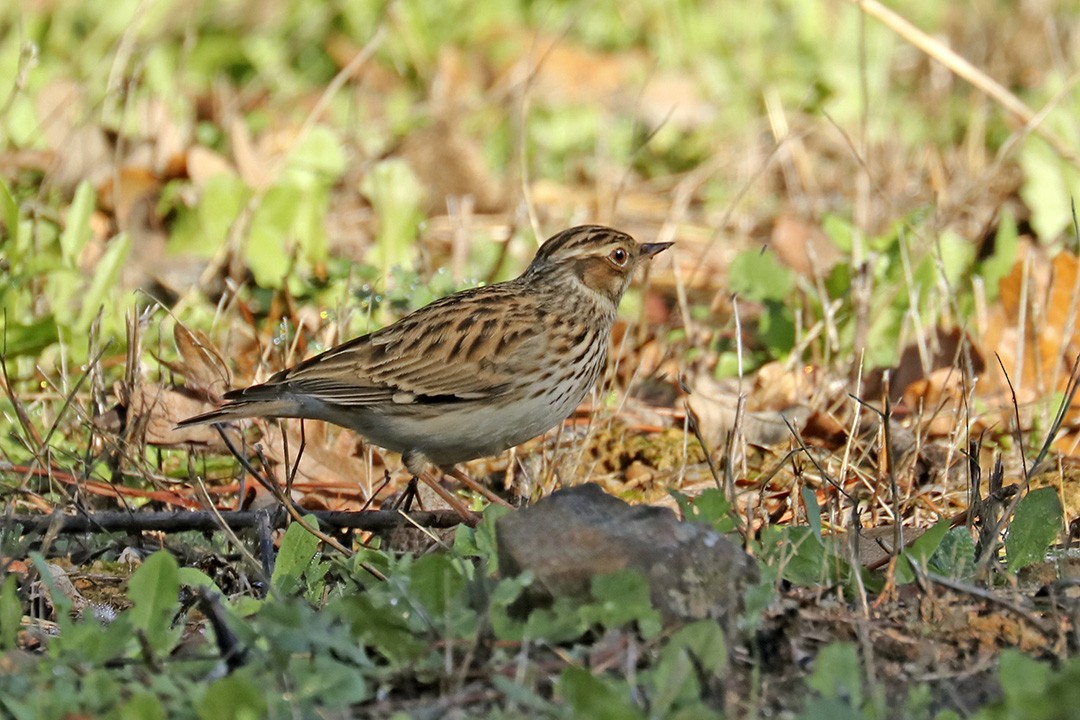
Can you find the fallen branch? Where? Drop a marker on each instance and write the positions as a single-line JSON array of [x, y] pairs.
[[181, 520]]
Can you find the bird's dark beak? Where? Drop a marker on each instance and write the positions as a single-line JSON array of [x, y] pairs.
[[650, 249]]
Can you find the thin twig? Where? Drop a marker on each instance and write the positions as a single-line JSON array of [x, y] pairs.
[[204, 520]]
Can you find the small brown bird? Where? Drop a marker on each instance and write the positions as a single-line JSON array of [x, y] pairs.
[[471, 374]]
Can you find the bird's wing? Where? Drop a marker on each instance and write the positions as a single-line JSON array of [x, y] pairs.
[[470, 346]]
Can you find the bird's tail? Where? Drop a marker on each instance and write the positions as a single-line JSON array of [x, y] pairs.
[[256, 401]]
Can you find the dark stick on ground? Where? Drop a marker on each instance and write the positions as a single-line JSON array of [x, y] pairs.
[[183, 520]]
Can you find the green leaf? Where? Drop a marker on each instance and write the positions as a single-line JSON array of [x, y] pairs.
[[271, 233], [699, 647], [61, 603], [319, 153], [10, 614], [837, 674], [9, 213], [594, 697], [298, 549], [396, 196], [19, 339], [711, 507], [955, 557], [1049, 182], [759, 276], [154, 590], [435, 583], [622, 597], [233, 698], [1022, 678], [196, 578], [1001, 261], [77, 224], [813, 512], [383, 628], [921, 551], [956, 256], [325, 680], [142, 706], [203, 229], [830, 709], [105, 278], [1034, 527], [480, 542]]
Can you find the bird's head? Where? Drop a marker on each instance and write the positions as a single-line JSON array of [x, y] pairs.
[[600, 258]]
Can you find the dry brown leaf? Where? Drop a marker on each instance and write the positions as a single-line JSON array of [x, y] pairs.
[[202, 366], [450, 164], [823, 430], [159, 408], [253, 163], [802, 245], [337, 466], [948, 348], [82, 149], [127, 191], [203, 164], [1037, 335]]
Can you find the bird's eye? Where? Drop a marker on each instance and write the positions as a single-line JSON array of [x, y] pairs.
[[619, 256]]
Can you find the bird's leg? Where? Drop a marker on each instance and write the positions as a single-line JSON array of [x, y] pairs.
[[476, 487], [417, 465], [408, 496], [468, 516]]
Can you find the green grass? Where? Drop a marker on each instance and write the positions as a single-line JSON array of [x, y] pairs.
[[224, 166]]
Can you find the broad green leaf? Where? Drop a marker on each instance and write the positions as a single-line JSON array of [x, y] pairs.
[[327, 681], [831, 708], [622, 597], [298, 549], [154, 590], [837, 673], [711, 507], [1001, 261], [396, 195], [10, 613], [759, 276], [30, 339], [235, 697], [1035, 525], [1049, 183], [956, 255], [142, 706], [106, 275], [705, 640], [271, 236], [319, 152], [195, 578], [203, 230], [955, 557], [9, 213], [595, 697], [435, 583], [60, 602], [1023, 678], [77, 224], [813, 512], [921, 551]]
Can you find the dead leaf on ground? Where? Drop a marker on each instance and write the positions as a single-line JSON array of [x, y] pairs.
[[82, 150], [803, 246], [450, 164], [340, 466], [1035, 328], [202, 366]]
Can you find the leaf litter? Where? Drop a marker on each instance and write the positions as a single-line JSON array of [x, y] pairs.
[[959, 392]]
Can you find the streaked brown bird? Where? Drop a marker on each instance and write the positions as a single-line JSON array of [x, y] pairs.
[[471, 374]]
